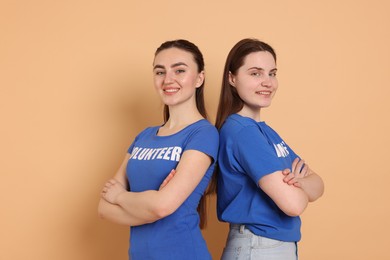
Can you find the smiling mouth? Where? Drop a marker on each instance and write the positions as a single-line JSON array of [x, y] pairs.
[[263, 93], [171, 90]]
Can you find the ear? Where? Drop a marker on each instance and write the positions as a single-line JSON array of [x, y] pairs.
[[232, 80], [200, 79]]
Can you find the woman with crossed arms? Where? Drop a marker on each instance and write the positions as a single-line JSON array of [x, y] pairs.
[[263, 185], [163, 218]]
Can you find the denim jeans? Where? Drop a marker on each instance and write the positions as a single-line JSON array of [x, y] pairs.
[[242, 244]]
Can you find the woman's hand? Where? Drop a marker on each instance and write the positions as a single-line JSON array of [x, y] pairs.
[[111, 191], [299, 171], [113, 188]]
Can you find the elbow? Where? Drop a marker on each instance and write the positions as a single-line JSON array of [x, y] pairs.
[[294, 212], [316, 196], [162, 211], [101, 213], [102, 210], [321, 189], [295, 209]]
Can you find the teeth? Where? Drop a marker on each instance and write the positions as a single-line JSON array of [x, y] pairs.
[[263, 93], [171, 90]]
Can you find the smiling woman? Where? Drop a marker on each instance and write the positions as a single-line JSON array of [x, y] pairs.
[[255, 82], [176, 77], [259, 174], [164, 213]]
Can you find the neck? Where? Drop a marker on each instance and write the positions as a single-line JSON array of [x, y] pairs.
[[182, 115], [251, 113], [178, 120]]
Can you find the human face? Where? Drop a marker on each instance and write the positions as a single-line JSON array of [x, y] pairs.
[[176, 76], [256, 82]]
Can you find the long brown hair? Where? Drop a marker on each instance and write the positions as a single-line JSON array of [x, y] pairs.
[[200, 104], [229, 100]]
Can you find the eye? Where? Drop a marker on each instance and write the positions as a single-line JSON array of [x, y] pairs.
[[180, 71], [272, 74], [256, 74], [159, 72]]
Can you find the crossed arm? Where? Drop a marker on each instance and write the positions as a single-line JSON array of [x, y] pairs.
[[292, 191], [137, 208]]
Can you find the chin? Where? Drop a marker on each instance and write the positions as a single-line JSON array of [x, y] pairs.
[[171, 103], [265, 105]]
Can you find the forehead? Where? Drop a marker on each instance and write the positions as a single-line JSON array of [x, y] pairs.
[[261, 59], [173, 55]]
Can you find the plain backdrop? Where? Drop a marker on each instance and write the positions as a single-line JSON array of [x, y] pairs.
[[76, 87]]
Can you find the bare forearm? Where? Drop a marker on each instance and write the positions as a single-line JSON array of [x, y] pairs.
[[147, 205], [291, 200], [117, 214], [313, 186], [152, 205]]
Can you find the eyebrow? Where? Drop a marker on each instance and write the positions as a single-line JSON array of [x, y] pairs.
[[258, 68], [172, 66]]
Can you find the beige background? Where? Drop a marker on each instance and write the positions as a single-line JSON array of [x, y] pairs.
[[76, 87]]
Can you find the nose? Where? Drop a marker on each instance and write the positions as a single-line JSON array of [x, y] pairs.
[[169, 78], [266, 81]]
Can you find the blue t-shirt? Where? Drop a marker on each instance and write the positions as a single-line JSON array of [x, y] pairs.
[[248, 151], [178, 235]]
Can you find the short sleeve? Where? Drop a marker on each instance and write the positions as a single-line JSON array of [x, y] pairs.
[[140, 135], [255, 154], [204, 139], [131, 146]]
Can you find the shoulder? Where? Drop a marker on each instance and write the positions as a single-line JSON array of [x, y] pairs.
[[203, 123], [237, 127], [203, 136], [204, 127], [269, 132], [237, 119], [238, 122], [147, 131], [267, 127]]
